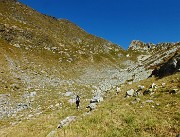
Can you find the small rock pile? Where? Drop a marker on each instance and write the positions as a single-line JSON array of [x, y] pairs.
[[93, 102]]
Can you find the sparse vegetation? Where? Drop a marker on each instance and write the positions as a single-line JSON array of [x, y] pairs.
[[116, 116], [43, 58]]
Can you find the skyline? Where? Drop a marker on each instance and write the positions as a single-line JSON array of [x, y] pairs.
[[118, 21]]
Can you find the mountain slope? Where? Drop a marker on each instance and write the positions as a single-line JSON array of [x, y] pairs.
[[41, 53], [53, 43], [138, 116], [23, 27], [45, 62]]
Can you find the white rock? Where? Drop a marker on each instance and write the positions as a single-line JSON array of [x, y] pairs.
[[96, 99], [57, 105], [52, 133], [66, 121], [67, 94], [149, 101], [153, 85], [130, 92], [32, 94], [140, 87], [91, 106], [163, 84], [118, 90]]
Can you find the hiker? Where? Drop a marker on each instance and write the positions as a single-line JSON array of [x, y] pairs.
[[77, 101]]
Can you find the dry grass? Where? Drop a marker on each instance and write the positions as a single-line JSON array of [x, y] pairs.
[[41, 125], [114, 117], [117, 117]]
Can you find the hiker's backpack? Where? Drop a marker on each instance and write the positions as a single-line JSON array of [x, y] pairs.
[[77, 99]]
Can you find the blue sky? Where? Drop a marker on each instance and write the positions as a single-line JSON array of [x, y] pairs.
[[119, 21]]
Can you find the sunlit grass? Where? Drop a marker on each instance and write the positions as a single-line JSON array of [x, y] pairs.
[[116, 116]]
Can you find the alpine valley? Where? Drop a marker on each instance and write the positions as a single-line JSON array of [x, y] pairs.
[[45, 62]]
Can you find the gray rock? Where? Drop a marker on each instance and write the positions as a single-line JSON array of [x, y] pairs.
[[32, 94], [140, 87], [168, 67], [52, 133], [4, 99], [22, 106], [118, 89], [149, 101], [91, 106], [130, 92], [96, 99], [137, 99], [136, 93], [67, 94], [58, 105], [66, 121]]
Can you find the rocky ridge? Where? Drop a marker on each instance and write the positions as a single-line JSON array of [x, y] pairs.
[[137, 45]]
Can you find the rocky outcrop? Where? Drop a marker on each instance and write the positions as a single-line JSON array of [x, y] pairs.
[[169, 67], [162, 59], [140, 46], [137, 45]]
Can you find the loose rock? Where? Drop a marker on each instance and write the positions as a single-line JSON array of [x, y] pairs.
[[66, 121], [130, 92]]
